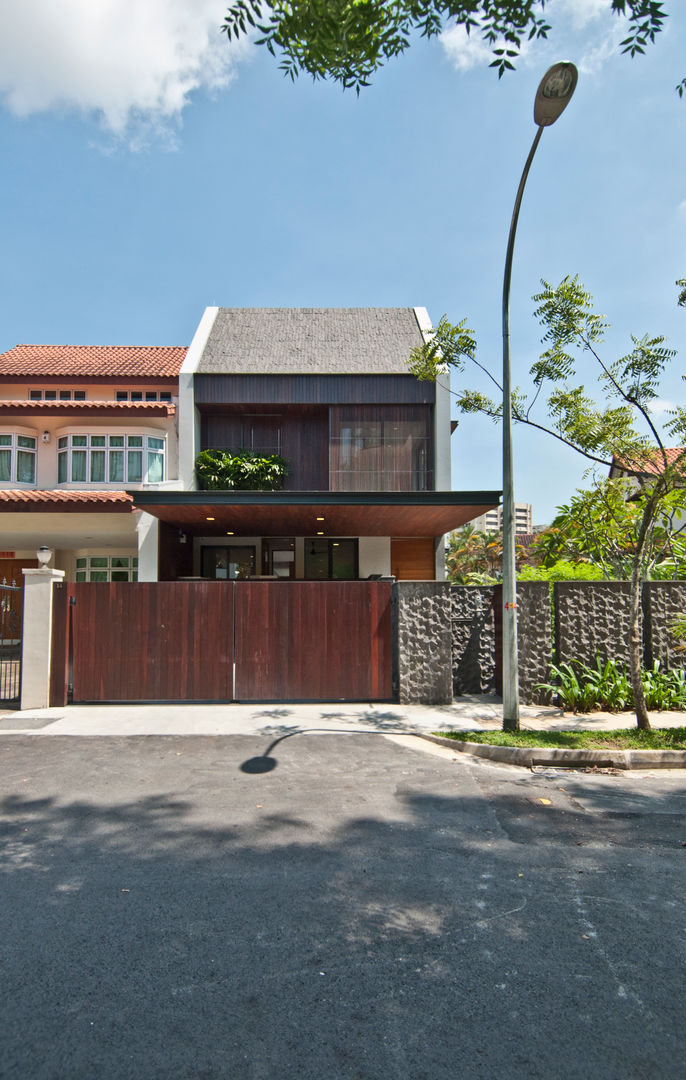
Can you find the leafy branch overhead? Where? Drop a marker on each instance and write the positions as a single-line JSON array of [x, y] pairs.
[[602, 432], [348, 40], [618, 431]]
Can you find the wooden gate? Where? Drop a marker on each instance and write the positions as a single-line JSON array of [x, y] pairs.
[[222, 641]]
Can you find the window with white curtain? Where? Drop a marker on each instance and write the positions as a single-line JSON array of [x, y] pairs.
[[110, 459], [17, 458]]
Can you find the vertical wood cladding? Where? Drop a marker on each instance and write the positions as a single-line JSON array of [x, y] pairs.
[[313, 641], [303, 439], [174, 641], [152, 641], [381, 448], [413, 559], [312, 390]]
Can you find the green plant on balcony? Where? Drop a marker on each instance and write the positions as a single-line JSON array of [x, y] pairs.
[[242, 470]]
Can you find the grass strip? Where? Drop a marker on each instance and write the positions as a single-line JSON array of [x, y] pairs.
[[624, 739]]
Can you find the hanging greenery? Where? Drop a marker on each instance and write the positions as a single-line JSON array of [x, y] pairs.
[[244, 470]]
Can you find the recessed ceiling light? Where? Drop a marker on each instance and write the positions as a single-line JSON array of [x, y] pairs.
[[230, 534], [320, 519], [320, 534], [209, 519]]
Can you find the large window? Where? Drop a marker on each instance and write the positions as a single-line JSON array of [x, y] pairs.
[[380, 448], [107, 568], [330, 560], [18, 458], [110, 459]]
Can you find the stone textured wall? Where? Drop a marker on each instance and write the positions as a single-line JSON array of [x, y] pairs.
[[534, 639], [592, 619], [473, 638], [477, 642], [662, 602], [422, 671]]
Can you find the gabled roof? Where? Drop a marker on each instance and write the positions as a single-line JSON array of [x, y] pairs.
[[108, 361], [310, 341]]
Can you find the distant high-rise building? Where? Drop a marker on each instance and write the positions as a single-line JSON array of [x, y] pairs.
[[492, 521]]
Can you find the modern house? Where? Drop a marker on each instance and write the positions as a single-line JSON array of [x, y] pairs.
[[98, 449], [367, 445]]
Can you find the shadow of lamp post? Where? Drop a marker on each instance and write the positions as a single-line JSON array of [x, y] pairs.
[[554, 93]]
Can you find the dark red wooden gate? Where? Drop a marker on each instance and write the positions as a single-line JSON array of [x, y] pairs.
[[222, 641], [313, 641]]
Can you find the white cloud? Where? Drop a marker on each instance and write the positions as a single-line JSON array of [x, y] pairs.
[[465, 50], [681, 210], [131, 63], [662, 407], [577, 29]]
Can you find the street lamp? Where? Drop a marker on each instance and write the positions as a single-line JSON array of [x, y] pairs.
[[554, 92]]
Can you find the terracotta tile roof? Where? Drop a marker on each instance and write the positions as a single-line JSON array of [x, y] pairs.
[[20, 499], [654, 467], [161, 408], [130, 361]]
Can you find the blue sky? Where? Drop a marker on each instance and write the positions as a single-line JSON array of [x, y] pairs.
[[149, 170]]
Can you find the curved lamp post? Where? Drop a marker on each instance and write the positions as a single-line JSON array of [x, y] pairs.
[[554, 93]]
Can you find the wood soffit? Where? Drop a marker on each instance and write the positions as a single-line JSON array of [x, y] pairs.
[[296, 513]]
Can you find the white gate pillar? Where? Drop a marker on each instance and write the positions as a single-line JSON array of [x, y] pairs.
[[36, 639]]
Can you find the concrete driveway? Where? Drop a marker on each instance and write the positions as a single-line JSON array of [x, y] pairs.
[[368, 908]]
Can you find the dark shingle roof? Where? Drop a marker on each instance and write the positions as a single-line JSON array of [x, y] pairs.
[[318, 341]]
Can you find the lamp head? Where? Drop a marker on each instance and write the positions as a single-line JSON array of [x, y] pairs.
[[554, 93]]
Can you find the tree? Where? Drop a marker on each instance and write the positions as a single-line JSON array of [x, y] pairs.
[[618, 432], [348, 40], [599, 527], [475, 558]]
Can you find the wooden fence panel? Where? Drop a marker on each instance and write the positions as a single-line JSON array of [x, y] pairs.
[[152, 641], [313, 641]]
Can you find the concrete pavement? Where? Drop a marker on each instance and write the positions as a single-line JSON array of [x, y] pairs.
[[275, 720]]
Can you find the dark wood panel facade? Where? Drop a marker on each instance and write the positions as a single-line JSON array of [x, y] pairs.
[[312, 390], [313, 641], [301, 435]]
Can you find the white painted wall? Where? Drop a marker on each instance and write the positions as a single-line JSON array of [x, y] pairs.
[[37, 637], [188, 416], [442, 478], [374, 555], [148, 528]]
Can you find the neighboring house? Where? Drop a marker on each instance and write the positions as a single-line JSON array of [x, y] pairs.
[[98, 449], [673, 454], [78, 426]]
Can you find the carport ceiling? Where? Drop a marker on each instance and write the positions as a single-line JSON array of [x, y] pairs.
[[300, 513]]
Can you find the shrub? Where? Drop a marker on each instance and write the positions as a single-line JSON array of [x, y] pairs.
[[244, 470], [580, 688]]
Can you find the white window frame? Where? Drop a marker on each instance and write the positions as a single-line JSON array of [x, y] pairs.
[[15, 449], [101, 567], [149, 447]]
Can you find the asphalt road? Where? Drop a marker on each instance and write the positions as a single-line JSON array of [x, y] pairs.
[[364, 910]]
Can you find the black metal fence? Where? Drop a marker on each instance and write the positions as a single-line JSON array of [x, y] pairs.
[[11, 604]]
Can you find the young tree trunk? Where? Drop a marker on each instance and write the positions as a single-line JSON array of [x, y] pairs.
[[635, 636]]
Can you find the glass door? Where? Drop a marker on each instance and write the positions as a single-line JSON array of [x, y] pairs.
[[228, 563]]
